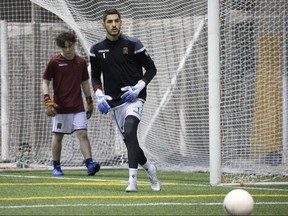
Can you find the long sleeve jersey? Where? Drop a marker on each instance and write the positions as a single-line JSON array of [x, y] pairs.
[[121, 63]]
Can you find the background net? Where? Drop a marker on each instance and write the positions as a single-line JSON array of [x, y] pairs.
[[174, 131]]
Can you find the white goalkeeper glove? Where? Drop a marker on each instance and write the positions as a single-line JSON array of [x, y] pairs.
[[103, 106], [132, 92]]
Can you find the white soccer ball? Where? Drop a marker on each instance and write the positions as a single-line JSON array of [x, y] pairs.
[[238, 202]]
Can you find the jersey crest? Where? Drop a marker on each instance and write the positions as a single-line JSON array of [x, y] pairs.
[[125, 50]]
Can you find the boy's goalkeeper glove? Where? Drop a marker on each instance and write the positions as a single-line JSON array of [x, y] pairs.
[[90, 107], [103, 106], [132, 92], [49, 106]]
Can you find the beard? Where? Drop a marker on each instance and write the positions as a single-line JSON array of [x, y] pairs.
[[114, 33]]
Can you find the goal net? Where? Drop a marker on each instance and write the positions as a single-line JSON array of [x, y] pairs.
[[174, 131], [253, 90]]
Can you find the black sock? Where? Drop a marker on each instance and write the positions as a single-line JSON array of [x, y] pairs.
[[56, 163]]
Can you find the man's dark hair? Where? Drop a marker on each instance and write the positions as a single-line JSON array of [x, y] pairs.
[[109, 12], [63, 37]]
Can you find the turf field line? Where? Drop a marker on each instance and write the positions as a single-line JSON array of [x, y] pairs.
[[131, 205], [115, 183], [61, 177], [111, 197], [257, 188], [110, 183], [99, 180], [121, 182], [67, 183], [131, 197]]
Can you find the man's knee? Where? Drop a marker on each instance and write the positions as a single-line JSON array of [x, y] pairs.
[[130, 127], [82, 134], [57, 137]]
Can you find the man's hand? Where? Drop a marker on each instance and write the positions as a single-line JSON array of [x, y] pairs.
[[49, 106], [132, 92], [103, 106], [90, 107]]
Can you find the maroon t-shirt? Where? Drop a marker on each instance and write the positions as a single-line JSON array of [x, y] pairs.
[[67, 77]]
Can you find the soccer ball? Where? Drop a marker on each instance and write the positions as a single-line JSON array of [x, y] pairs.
[[238, 202]]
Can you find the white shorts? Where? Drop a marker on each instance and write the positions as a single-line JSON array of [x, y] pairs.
[[68, 123], [119, 113]]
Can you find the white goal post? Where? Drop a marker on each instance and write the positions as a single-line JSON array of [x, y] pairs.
[[218, 103], [4, 91], [214, 92]]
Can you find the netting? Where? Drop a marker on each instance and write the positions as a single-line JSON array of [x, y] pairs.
[[174, 131], [172, 40], [254, 92]]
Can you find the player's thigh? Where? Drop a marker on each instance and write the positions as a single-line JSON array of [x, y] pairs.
[[58, 137], [79, 121], [135, 109], [82, 134], [120, 113]]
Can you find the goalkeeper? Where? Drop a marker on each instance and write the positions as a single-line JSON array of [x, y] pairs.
[[68, 73], [120, 59]]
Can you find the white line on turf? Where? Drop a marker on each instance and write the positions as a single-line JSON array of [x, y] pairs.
[[131, 204], [124, 182], [95, 180]]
